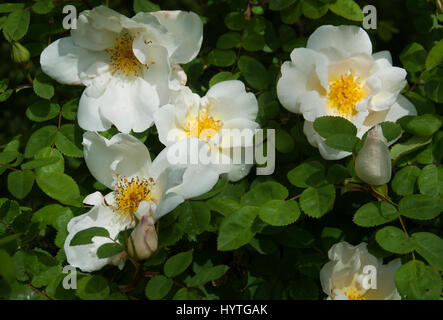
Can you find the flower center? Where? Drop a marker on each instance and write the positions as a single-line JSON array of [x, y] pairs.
[[129, 194], [203, 126], [123, 60], [344, 93], [352, 294]]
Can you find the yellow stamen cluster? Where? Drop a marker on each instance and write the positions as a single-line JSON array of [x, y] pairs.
[[352, 294], [203, 126], [129, 193], [344, 93], [123, 60]]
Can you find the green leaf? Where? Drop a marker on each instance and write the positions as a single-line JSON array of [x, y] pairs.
[[314, 9], [207, 275], [7, 270], [420, 207], [43, 6], [404, 180], [49, 153], [435, 56], [279, 212], [224, 206], [235, 21], [434, 84], [292, 14], [8, 156], [69, 141], [329, 126], [422, 126], [348, 9], [430, 246], [42, 86], [401, 149], [186, 294], [229, 40], [193, 217], [235, 230], [69, 109], [49, 215], [430, 181], [413, 57], [20, 183], [316, 202], [145, 6], [223, 76], [254, 72], [85, 236], [263, 192], [41, 138], [60, 186], [177, 264], [38, 163], [5, 95], [416, 281], [307, 174], [221, 58], [277, 5], [158, 287], [253, 41], [336, 174], [374, 214], [343, 142], [391, 130], [42, 111], [284, 142], [108, 250], [10, 7], [394, 240], [92, 287], [17, 24]]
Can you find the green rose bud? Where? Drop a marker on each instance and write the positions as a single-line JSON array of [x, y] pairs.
[[19, 53]]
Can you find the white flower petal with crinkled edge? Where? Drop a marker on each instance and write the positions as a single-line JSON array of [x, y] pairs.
[[306, 71], [340, 42], [157, 73], [97, 28], [127, 104], [186, 29], [64, 61], [122, 154], [85, 257], [229, 100]]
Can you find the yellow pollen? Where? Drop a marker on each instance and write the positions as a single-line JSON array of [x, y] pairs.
[[123, 60], [203, 126], [354, 295], [344, 93], [129, 194]]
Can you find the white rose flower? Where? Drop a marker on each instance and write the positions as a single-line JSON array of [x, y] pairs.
[[220, 118], [123, 164], [346, 278], [337, 75], [127, 65]]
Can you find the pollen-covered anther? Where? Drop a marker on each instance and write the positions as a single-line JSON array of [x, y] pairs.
[[129, 193], [344, 93], [123, 59], [203, 126]]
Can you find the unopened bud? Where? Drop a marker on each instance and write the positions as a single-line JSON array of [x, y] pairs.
[[373, 163], [19, 53], [143, 241]]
